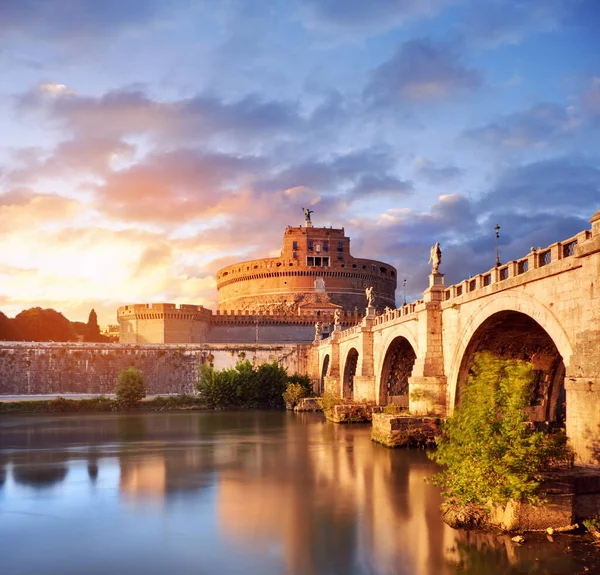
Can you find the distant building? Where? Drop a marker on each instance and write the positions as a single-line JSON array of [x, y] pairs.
[[272, 300]]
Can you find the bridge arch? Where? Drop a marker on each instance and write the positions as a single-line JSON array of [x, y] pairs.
[[350, 365], [515, 325], [396, 367], [324, 372]]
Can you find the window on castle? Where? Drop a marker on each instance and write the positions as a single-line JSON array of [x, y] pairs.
[[325, 246], [340, 247], [318, 248], [340, 256], [310, 245], [317, 261], [295, 245], [295, 255]]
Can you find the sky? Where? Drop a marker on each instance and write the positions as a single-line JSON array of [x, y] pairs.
[[145, 144]]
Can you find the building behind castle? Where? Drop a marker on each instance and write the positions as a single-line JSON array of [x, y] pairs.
[[273, 300]]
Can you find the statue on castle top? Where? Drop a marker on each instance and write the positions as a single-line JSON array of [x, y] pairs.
[[370, 296], [307, 213], [317, 331], [337, 316], [388, 309], [435, 257]]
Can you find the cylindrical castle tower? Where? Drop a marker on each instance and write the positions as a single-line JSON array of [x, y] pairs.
[[315, 265]]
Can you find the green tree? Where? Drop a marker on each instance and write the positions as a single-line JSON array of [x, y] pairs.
[[244, 386], [130, 388], [488, 449]]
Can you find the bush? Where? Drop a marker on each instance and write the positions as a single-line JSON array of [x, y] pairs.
[[130, 388], [327, 401], [488, 449], [244, 386], [293, 394]]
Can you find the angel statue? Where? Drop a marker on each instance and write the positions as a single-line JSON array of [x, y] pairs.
[[337, 316], [317, 331], [435, 257], [370, 296], [307, 213]]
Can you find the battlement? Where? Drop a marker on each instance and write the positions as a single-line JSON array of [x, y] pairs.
[[163, 311], [537, 264], [308, 255]]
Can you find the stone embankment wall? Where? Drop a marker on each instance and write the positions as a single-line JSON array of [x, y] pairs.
[[60, 368]]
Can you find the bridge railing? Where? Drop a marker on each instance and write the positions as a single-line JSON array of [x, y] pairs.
[[534, 260]]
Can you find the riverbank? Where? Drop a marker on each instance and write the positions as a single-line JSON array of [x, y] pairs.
[[99, 404]]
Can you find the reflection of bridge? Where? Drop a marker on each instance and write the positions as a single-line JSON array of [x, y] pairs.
[[544, 307]]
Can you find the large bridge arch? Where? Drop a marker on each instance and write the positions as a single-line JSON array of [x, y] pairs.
[[497, 308], [392, 336], [350, 366], [324, 373]]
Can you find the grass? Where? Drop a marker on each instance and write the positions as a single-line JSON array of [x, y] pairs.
[[100, 404]]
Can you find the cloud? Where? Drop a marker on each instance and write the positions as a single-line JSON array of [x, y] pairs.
[[200, 119], [70, 158], [420, 71], [435, 174], [358, 16], [66, 19], [176, 186], [558, 185], [495, 22], [536, 126], [370, 185], [590, 100]]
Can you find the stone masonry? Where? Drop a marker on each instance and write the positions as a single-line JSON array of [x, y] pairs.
[[544, 307]]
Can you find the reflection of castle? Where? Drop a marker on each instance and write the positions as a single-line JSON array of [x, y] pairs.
[[272, 300]]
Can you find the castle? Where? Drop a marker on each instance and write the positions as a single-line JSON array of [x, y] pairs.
[[273, 300]]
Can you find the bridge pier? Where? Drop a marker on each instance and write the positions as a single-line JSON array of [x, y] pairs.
[[331, 380], [427, 384], [582, 389], [364, 380]]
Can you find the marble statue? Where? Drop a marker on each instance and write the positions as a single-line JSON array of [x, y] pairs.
[[435, 257]]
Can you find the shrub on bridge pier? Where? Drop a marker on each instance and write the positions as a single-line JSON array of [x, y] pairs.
[[488, 450]]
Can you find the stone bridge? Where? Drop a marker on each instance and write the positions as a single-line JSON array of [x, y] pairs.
[[544, 307]]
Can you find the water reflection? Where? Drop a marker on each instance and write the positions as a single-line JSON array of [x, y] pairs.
[[247, 492]]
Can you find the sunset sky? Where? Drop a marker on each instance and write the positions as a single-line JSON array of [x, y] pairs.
[[144, 144]]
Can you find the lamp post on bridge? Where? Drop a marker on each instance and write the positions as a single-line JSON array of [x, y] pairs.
[[404, 287], [497, 230]]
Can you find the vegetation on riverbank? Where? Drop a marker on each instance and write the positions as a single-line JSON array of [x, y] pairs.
[[100, 404], [488, 450], [246, 386]]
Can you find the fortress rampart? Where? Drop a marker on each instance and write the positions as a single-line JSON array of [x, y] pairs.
[[273, 300], [163, 323]]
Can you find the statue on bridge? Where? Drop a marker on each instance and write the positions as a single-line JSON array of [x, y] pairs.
[[307, 213], [337, 316], [435, 257], [370, 296], [317, 331]]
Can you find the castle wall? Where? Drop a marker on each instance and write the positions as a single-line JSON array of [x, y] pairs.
[[279, 284], [275, 333], [61, 368]]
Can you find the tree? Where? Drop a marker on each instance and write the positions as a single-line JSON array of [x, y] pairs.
[[488, 449], [7, 330], [93, 329], [130, 388], [244, 386], [37, 324]]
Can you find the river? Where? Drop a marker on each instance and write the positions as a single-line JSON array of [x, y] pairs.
[[227, 493]]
